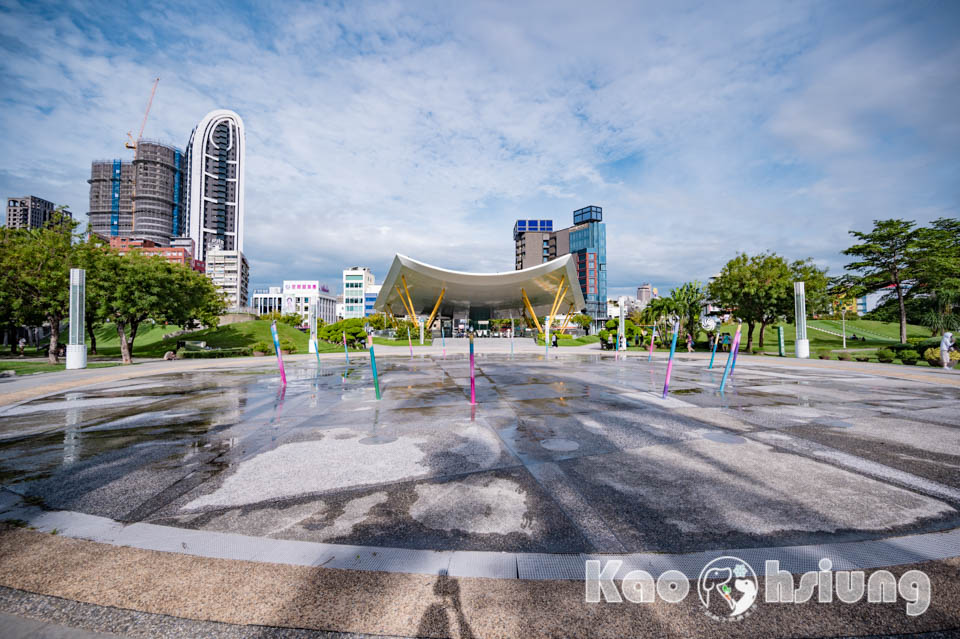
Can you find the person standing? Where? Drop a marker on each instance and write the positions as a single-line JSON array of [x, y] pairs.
[[689, 343], [946, 345], [22, 344], [556, 342]]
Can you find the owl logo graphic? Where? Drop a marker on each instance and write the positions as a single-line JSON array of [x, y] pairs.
[[728, 588]]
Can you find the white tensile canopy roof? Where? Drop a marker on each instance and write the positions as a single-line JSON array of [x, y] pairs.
[[500, 293]]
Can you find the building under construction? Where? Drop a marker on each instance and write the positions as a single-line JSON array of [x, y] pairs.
[[142, 199]]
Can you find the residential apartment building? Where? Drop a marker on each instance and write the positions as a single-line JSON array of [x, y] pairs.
[[358, 284], [142, 199], [214, 186], [30, 212], [536, 242], [230, 274]]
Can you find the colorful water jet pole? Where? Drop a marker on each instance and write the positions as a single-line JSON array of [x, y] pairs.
[[276, 346], [373, 365], [473, 379], [714, 353], [673, 349], [729, 366]]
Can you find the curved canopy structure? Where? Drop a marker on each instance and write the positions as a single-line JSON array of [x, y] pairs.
[[415, 288]]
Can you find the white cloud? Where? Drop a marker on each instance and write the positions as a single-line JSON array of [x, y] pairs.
[[378, 128]]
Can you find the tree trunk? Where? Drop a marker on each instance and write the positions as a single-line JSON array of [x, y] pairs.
[[93, 338], [750, 327], [903, 314], [54, 339], [763, 326], [124, 345]]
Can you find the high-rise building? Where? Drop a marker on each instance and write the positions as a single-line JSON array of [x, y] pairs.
[[358, 284], [142, 199], [230, 273], [30, 212], [645, 293], [536, 242], [215, 183]]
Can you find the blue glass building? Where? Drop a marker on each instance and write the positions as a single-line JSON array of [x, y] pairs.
[[536, 242]]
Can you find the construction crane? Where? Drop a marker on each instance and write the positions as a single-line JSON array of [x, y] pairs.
[[131, 143]]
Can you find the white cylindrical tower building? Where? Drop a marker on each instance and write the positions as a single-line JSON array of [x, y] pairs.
[[215, 183]]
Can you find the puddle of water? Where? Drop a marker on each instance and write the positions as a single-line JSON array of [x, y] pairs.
[[724, 438], [560, 445]]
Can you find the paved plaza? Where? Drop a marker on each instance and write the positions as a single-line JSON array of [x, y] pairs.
[[563, 458]]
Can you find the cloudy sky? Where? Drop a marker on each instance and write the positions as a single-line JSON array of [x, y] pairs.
[[429, 128]]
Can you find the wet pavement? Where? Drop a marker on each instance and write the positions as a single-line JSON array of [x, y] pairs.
[[576, 454]]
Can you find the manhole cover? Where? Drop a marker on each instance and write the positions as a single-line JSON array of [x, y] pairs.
[[377, 439], [560, 445], [724, 438]]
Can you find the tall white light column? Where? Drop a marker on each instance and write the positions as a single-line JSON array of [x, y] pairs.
[[77, 346], [312, 323], [800, 307]]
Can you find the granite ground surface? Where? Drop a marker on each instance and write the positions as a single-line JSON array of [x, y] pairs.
[[574, 454]]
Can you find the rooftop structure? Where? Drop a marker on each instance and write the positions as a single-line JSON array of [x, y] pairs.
[[414, 289]]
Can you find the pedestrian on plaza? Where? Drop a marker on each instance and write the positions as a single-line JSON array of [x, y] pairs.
[[946, 345], [610, 341], [689, 343], [22, 344], [726, 342], [556, 341]]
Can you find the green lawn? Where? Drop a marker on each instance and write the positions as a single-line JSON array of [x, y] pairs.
[[28, 368], [150, 342], [825, 341], [578, 341], [388, 341]]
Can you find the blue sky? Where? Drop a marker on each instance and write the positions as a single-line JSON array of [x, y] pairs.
[[428, 128]]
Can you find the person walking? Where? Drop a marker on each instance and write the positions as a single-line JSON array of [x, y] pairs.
[[726, 342], [689, 343], [22, 344], [946, 345], [556, 341]]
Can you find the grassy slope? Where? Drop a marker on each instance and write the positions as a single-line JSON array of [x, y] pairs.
[[28, 368], [149, 342], [579, 341]]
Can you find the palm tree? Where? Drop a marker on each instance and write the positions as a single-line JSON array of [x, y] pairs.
[[688, 300]]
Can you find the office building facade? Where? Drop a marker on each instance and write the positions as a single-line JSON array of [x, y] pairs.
[[30, 212], [230, 274], [536, 242], [214, 186], [182, 254], [358, 284], [142, 199]]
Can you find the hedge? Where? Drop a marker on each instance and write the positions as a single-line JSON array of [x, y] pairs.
[[214, 353]]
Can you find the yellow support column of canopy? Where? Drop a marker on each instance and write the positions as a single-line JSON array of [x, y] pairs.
[[567, 319], [413, 313], [436, 307], [526, 301], [403, 300]]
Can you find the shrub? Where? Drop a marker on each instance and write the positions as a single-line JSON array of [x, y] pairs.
[[215, 353], [845, 357], [287, 345], [909, 357], [262, 347], [885, 355], [862, 358], [823, 354], [932, 355]]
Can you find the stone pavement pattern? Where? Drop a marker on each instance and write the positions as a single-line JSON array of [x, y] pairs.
[[569, 455]]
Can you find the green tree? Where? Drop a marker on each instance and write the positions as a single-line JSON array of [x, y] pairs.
[[137, 288], [937, 270], [887, 257], [757, 289], [688, 301], [92, 255], [41, 260]]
